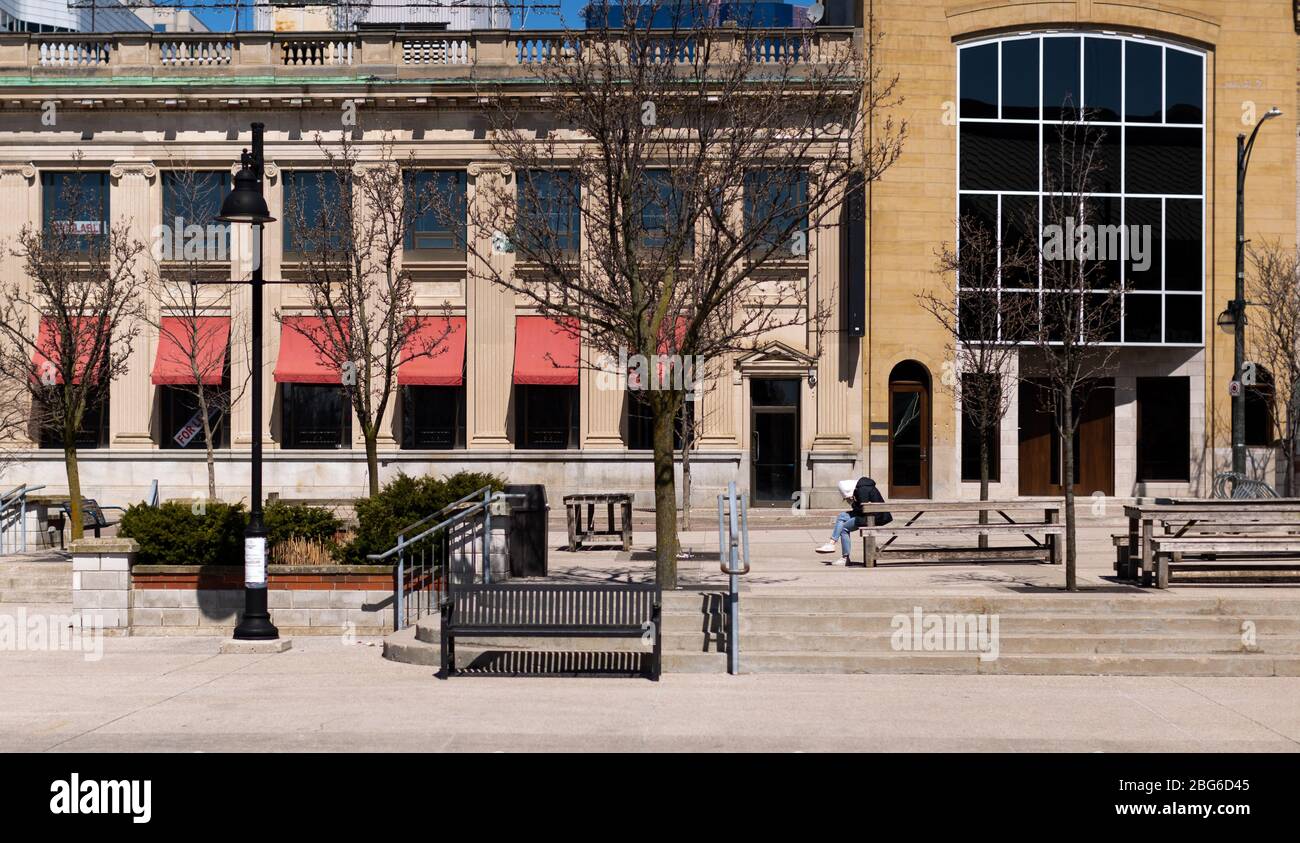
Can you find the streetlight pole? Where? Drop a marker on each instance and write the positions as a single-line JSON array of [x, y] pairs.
[[1237, 307], [247, 204]]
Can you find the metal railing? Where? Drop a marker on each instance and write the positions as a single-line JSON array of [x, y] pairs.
[[1238, 486], [733, 555], [13, 519], [457, 542]]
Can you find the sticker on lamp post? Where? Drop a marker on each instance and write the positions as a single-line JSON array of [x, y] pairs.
[[1234, 388], [255, 561]]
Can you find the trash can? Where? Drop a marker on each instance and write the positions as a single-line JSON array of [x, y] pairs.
[[527, 536]]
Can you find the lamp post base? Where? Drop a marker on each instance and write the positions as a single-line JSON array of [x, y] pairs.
[[236, 647], [256, 624]]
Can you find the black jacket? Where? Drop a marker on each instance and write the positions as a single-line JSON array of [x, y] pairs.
[[867, 492]]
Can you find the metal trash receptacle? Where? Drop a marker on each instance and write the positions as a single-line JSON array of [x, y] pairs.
[[528, 549]]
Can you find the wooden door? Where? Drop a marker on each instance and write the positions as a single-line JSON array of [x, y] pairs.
[[1041, 455], [909, 440]]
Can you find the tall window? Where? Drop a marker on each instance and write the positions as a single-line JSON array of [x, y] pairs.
[[548, 211], [1259, 411], [1163, 434], [93, 432], [776, 210], [433, 236], [433, 417], [314, 416], [191, 202], [182, 424], [971, 435], [546, 417], [76, 202], [312, 217], [1147, 100], [641, 422], [663, 213]]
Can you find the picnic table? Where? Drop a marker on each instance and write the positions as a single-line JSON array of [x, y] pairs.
[[1045, 535], [1208, 528], [580, 529]]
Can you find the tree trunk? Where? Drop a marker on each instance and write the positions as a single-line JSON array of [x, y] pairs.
[[372, 459], [688, 434], [75, 530], [665, 497], [1067, 480], [984, 486], [207, 442]]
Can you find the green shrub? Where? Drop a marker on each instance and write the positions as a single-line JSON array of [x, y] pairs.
[[403, 501], [296, 521], [175, 534]]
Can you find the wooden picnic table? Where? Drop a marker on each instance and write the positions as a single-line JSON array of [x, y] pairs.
[[580, 529], [1182, 516], [1049, 528]]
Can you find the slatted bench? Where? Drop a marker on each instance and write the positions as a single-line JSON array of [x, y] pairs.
[[92, 516], [1167, 549], [1048, 549], [548, 610], [1232, 520], [617, 529]]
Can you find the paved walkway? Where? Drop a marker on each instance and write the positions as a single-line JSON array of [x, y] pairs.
[[327, 695]]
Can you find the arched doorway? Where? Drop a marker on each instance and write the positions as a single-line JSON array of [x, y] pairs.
[[909, 431]]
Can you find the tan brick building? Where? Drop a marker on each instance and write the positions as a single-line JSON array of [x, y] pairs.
[[1174, 83]]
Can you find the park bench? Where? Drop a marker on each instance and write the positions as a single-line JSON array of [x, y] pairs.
[[619, 529], [1045, 536], [92, 517], [548, 610]]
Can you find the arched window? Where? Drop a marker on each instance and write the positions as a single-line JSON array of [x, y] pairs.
[[1146, 98]]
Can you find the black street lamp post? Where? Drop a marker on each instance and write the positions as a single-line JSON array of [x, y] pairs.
[[1237, 307], [247, 204]]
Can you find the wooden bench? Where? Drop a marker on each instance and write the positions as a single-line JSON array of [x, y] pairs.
[[580, 531], [546, 610], [1167, 549], [1045, 536]]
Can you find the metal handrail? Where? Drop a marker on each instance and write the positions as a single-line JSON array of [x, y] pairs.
[[480, 492], [733, 559], [14, 503]]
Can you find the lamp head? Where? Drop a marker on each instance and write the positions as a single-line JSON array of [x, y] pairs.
[[246, 203]]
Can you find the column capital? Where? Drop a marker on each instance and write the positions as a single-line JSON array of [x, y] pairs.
[[147, 169], [479, 168], [27, 170]]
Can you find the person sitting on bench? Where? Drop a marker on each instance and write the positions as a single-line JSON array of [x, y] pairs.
[[856, 494]]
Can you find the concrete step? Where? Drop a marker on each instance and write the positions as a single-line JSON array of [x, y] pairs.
[[1133, 602], [1058, 665], [8, 583], [1026, 624], [31, 610], [1038, 644]]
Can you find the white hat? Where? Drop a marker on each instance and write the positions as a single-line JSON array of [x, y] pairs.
[[847, 487]]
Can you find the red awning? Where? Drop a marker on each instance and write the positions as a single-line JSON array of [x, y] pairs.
[[546, 351], [300, 361], [191, 350], [446, 366], [46, 357]]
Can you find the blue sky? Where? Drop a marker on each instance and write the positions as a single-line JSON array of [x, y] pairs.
[[219, 18]]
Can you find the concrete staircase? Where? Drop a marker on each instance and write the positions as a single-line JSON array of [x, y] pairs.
[[1052, 634], [41, 584]]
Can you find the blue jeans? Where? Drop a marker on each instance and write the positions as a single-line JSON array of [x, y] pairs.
[[843, 526]]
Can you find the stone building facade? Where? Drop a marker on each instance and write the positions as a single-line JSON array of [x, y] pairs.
[[1174, 84], [135, 108]]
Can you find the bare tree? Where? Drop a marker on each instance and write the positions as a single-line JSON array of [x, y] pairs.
[[195, 321], [1079, 304], [665, 202], [67, 328], [1275, 343], [983, 328], [363, 298]]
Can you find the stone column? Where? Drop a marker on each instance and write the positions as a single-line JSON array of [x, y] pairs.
[[132, 208], [490, 322], [101, 582], [21, 200]]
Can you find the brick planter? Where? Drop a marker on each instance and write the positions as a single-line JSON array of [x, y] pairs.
[[304, 599]]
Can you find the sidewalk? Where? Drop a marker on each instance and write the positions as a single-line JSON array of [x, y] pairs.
[[325, 695]]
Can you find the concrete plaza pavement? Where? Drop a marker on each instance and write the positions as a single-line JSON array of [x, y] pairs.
[[328, 694]]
